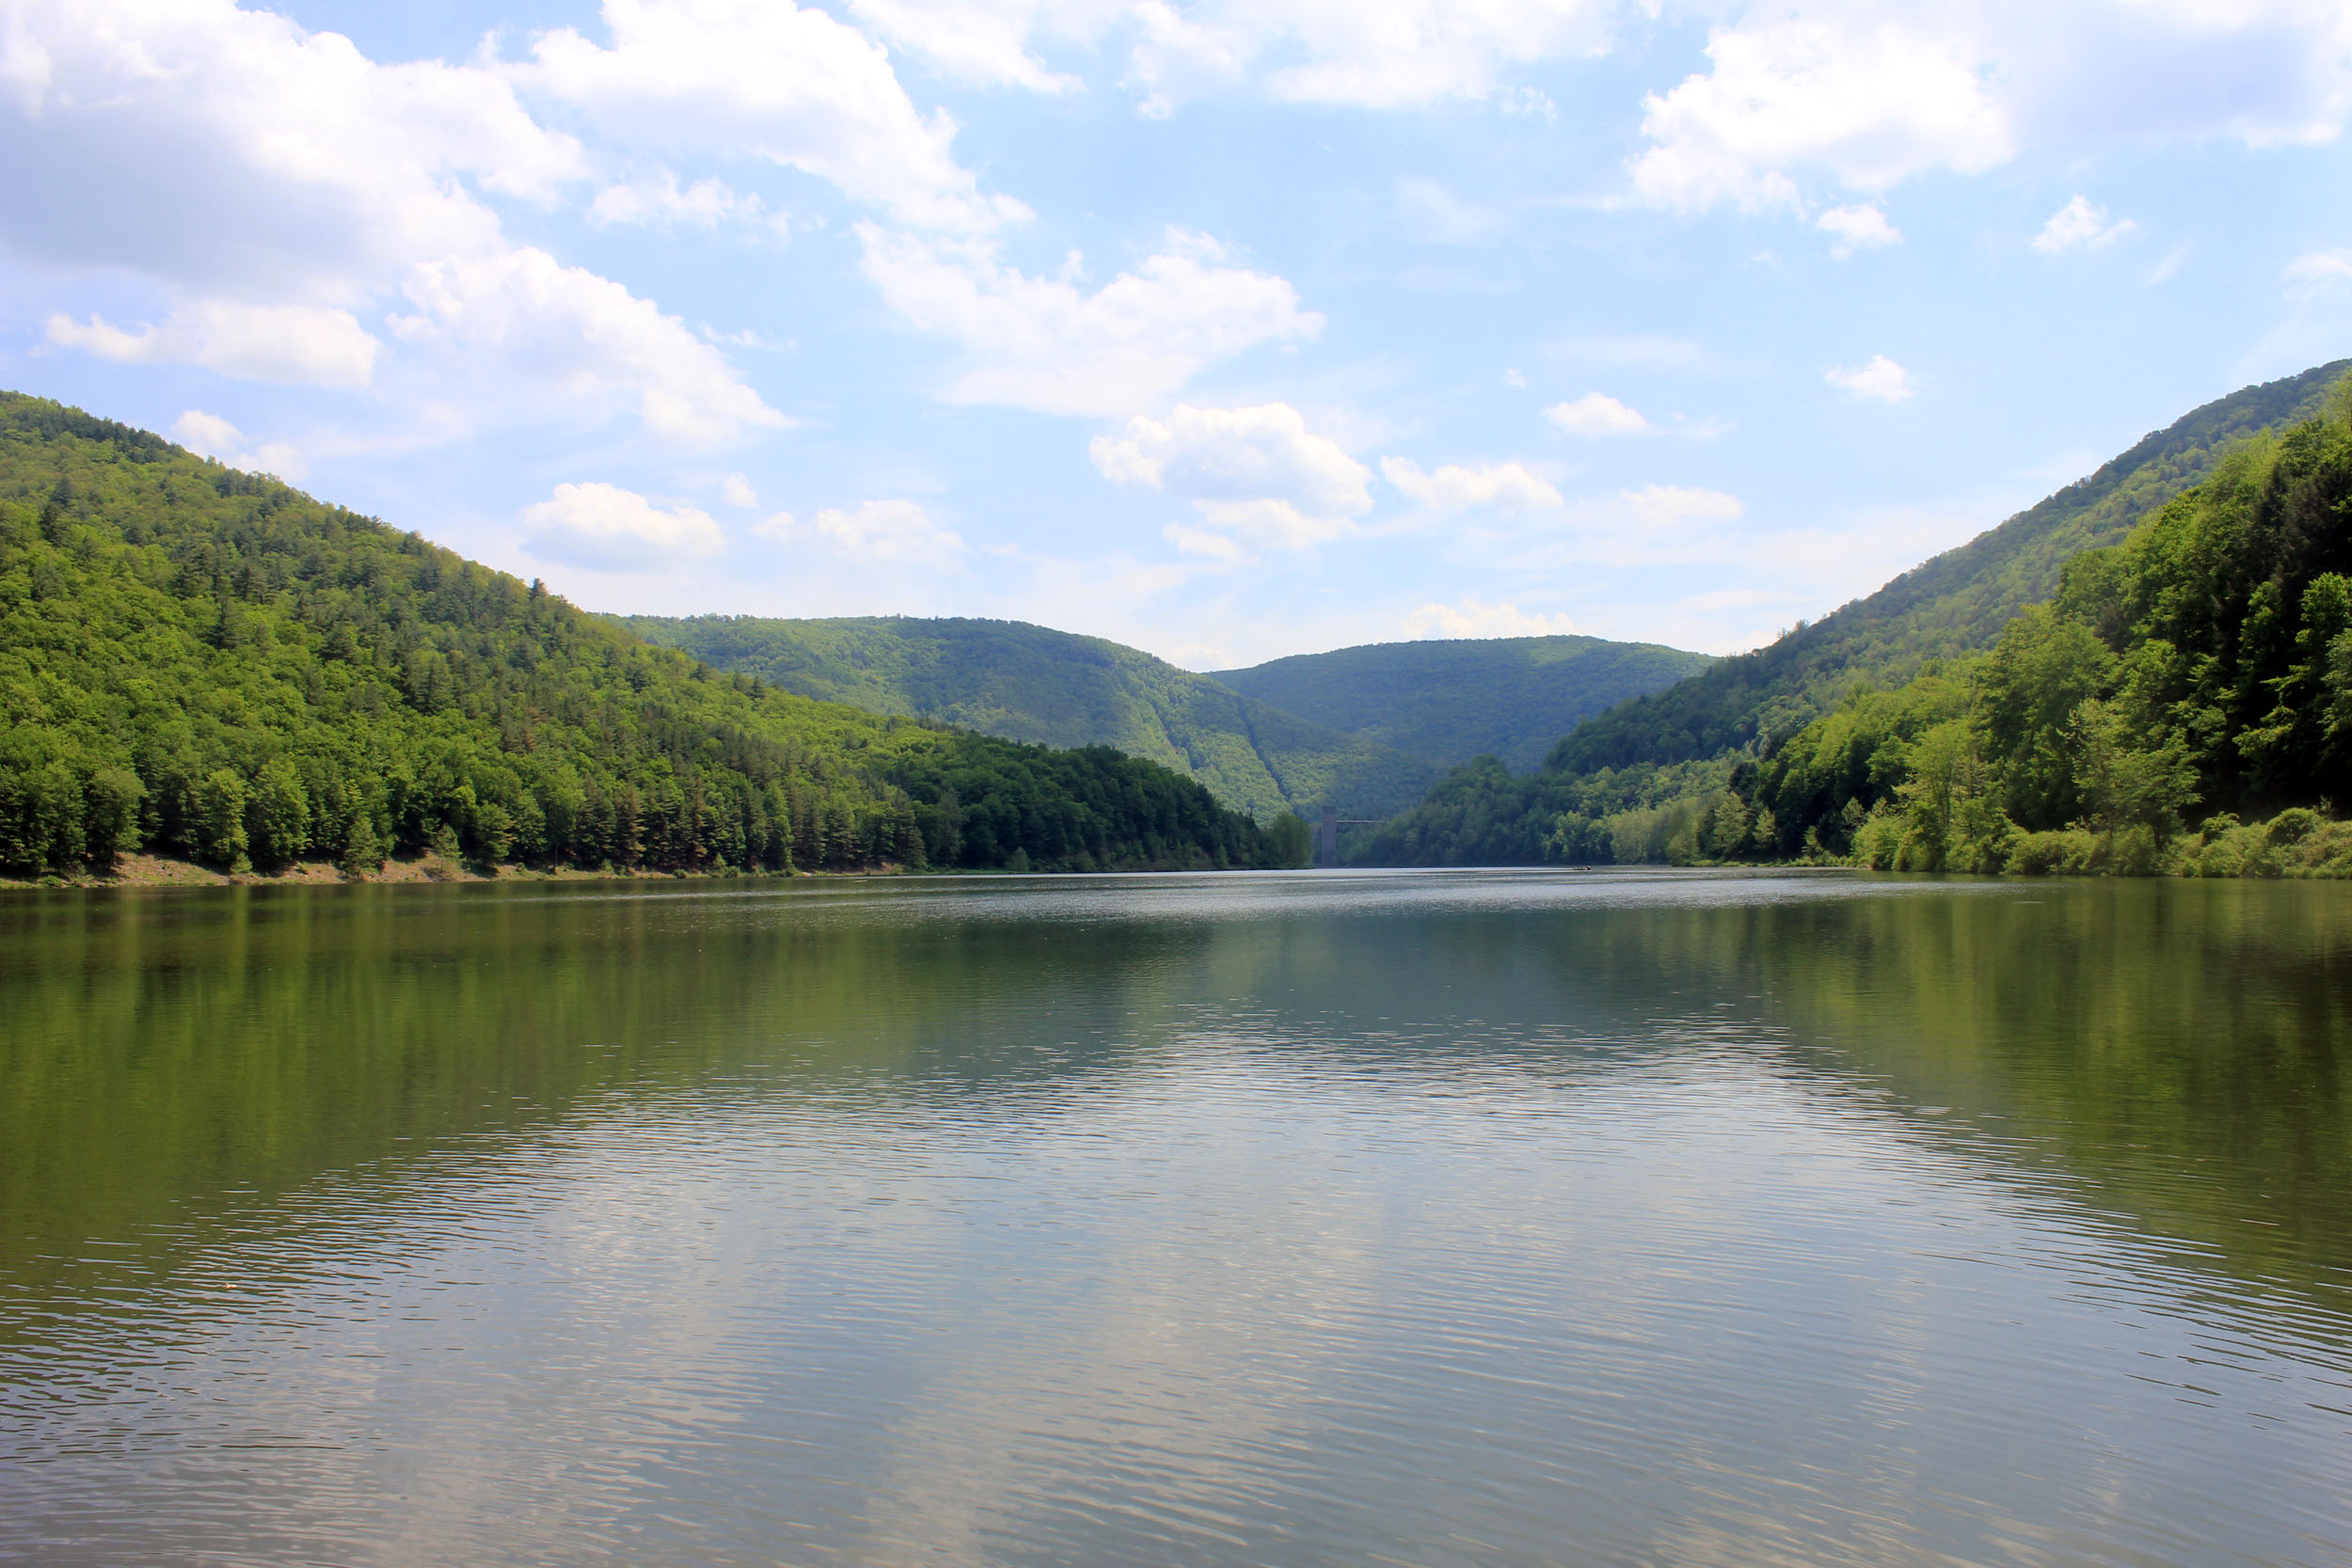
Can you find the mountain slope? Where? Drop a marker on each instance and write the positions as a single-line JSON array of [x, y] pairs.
[[1031, 683], [1955, 604], [1511, 697], [198, 661]]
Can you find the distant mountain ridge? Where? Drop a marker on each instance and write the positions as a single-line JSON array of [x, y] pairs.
[[1024, 682], [1452, 700], [1955, 603]]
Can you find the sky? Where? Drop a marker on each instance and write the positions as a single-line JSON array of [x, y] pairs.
[[1225, 328]]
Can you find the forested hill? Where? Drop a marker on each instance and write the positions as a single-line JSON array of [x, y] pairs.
[[1452, 700], [1955, 604], [204, 662], [1031, 683]]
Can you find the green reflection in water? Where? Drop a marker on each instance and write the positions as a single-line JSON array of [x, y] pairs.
[[2175, 1046]]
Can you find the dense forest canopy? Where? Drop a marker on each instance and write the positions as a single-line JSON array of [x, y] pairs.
[[2194, 667], [2199, 671], [203, 662], [1953, 605], [1450, 700], [1032, 683]]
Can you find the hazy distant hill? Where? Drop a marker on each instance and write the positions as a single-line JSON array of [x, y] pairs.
[[1030, 683], [1513, 697], [1956, 603]]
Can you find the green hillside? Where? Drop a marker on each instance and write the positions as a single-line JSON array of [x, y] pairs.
[[1955, 604], [1030, 683], [1633, 784], [202, 662], [1510, 697], [2202, 668]]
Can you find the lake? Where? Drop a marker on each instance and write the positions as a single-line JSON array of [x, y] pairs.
[[1438, 1217]]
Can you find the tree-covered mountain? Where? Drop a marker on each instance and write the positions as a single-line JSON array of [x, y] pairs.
[[2201, 670], [1958, 603], [204, 662], [1450, 700], [1644, 781], [1030, 683]]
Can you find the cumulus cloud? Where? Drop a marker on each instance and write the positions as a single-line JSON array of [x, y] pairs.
[[210, 435], [2079, 225], [1597, 415], [1862, 227], [989, 44], [1873, 102], [1380, 55], [586, 338], [1506, 486], [1047, 344], [279, 186], [1257, 474], [1476, 618], [231, 151], [1880, 379], [1866, 95], [877, 533], [767, 79], [737, 491], [657, 200], [303, 343], [608, 529]]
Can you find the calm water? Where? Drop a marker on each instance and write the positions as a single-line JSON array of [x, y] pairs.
[[1421, 1218]]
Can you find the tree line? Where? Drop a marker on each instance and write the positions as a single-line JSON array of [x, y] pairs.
[[203, 662], [2183, 702]]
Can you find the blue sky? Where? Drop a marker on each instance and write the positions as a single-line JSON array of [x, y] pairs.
[[1226, 328]]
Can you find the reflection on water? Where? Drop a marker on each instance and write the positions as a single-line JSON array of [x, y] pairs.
[[1288, 1219]]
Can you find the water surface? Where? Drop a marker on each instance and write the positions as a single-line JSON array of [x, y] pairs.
[[1421, 1218]]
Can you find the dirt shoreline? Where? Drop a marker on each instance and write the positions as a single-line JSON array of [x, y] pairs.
[[144, 871]]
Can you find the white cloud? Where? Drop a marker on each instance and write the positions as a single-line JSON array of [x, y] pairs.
[[1044, 343], [302, 344], [210, 435], [1257, 474], [1381, 54], [1867, 95], [767, 79], [1476, 618], [2319, 271], [1662, 508], [878, 533], [232, 152], [2079, 223], [658, 200], [1873, 102], [737, 491], [570, 332], [1507, 486], [1597, 415], [973, 41], [608, 529], [279, 184], [1862, 227], [1881, 379]]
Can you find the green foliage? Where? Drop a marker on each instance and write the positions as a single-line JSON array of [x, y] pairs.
[[1291, 840], [203, 662], [1511, 697], [1957, 604], [1029, 683], [2228, 617], [1483, 814], [2203, 662]]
